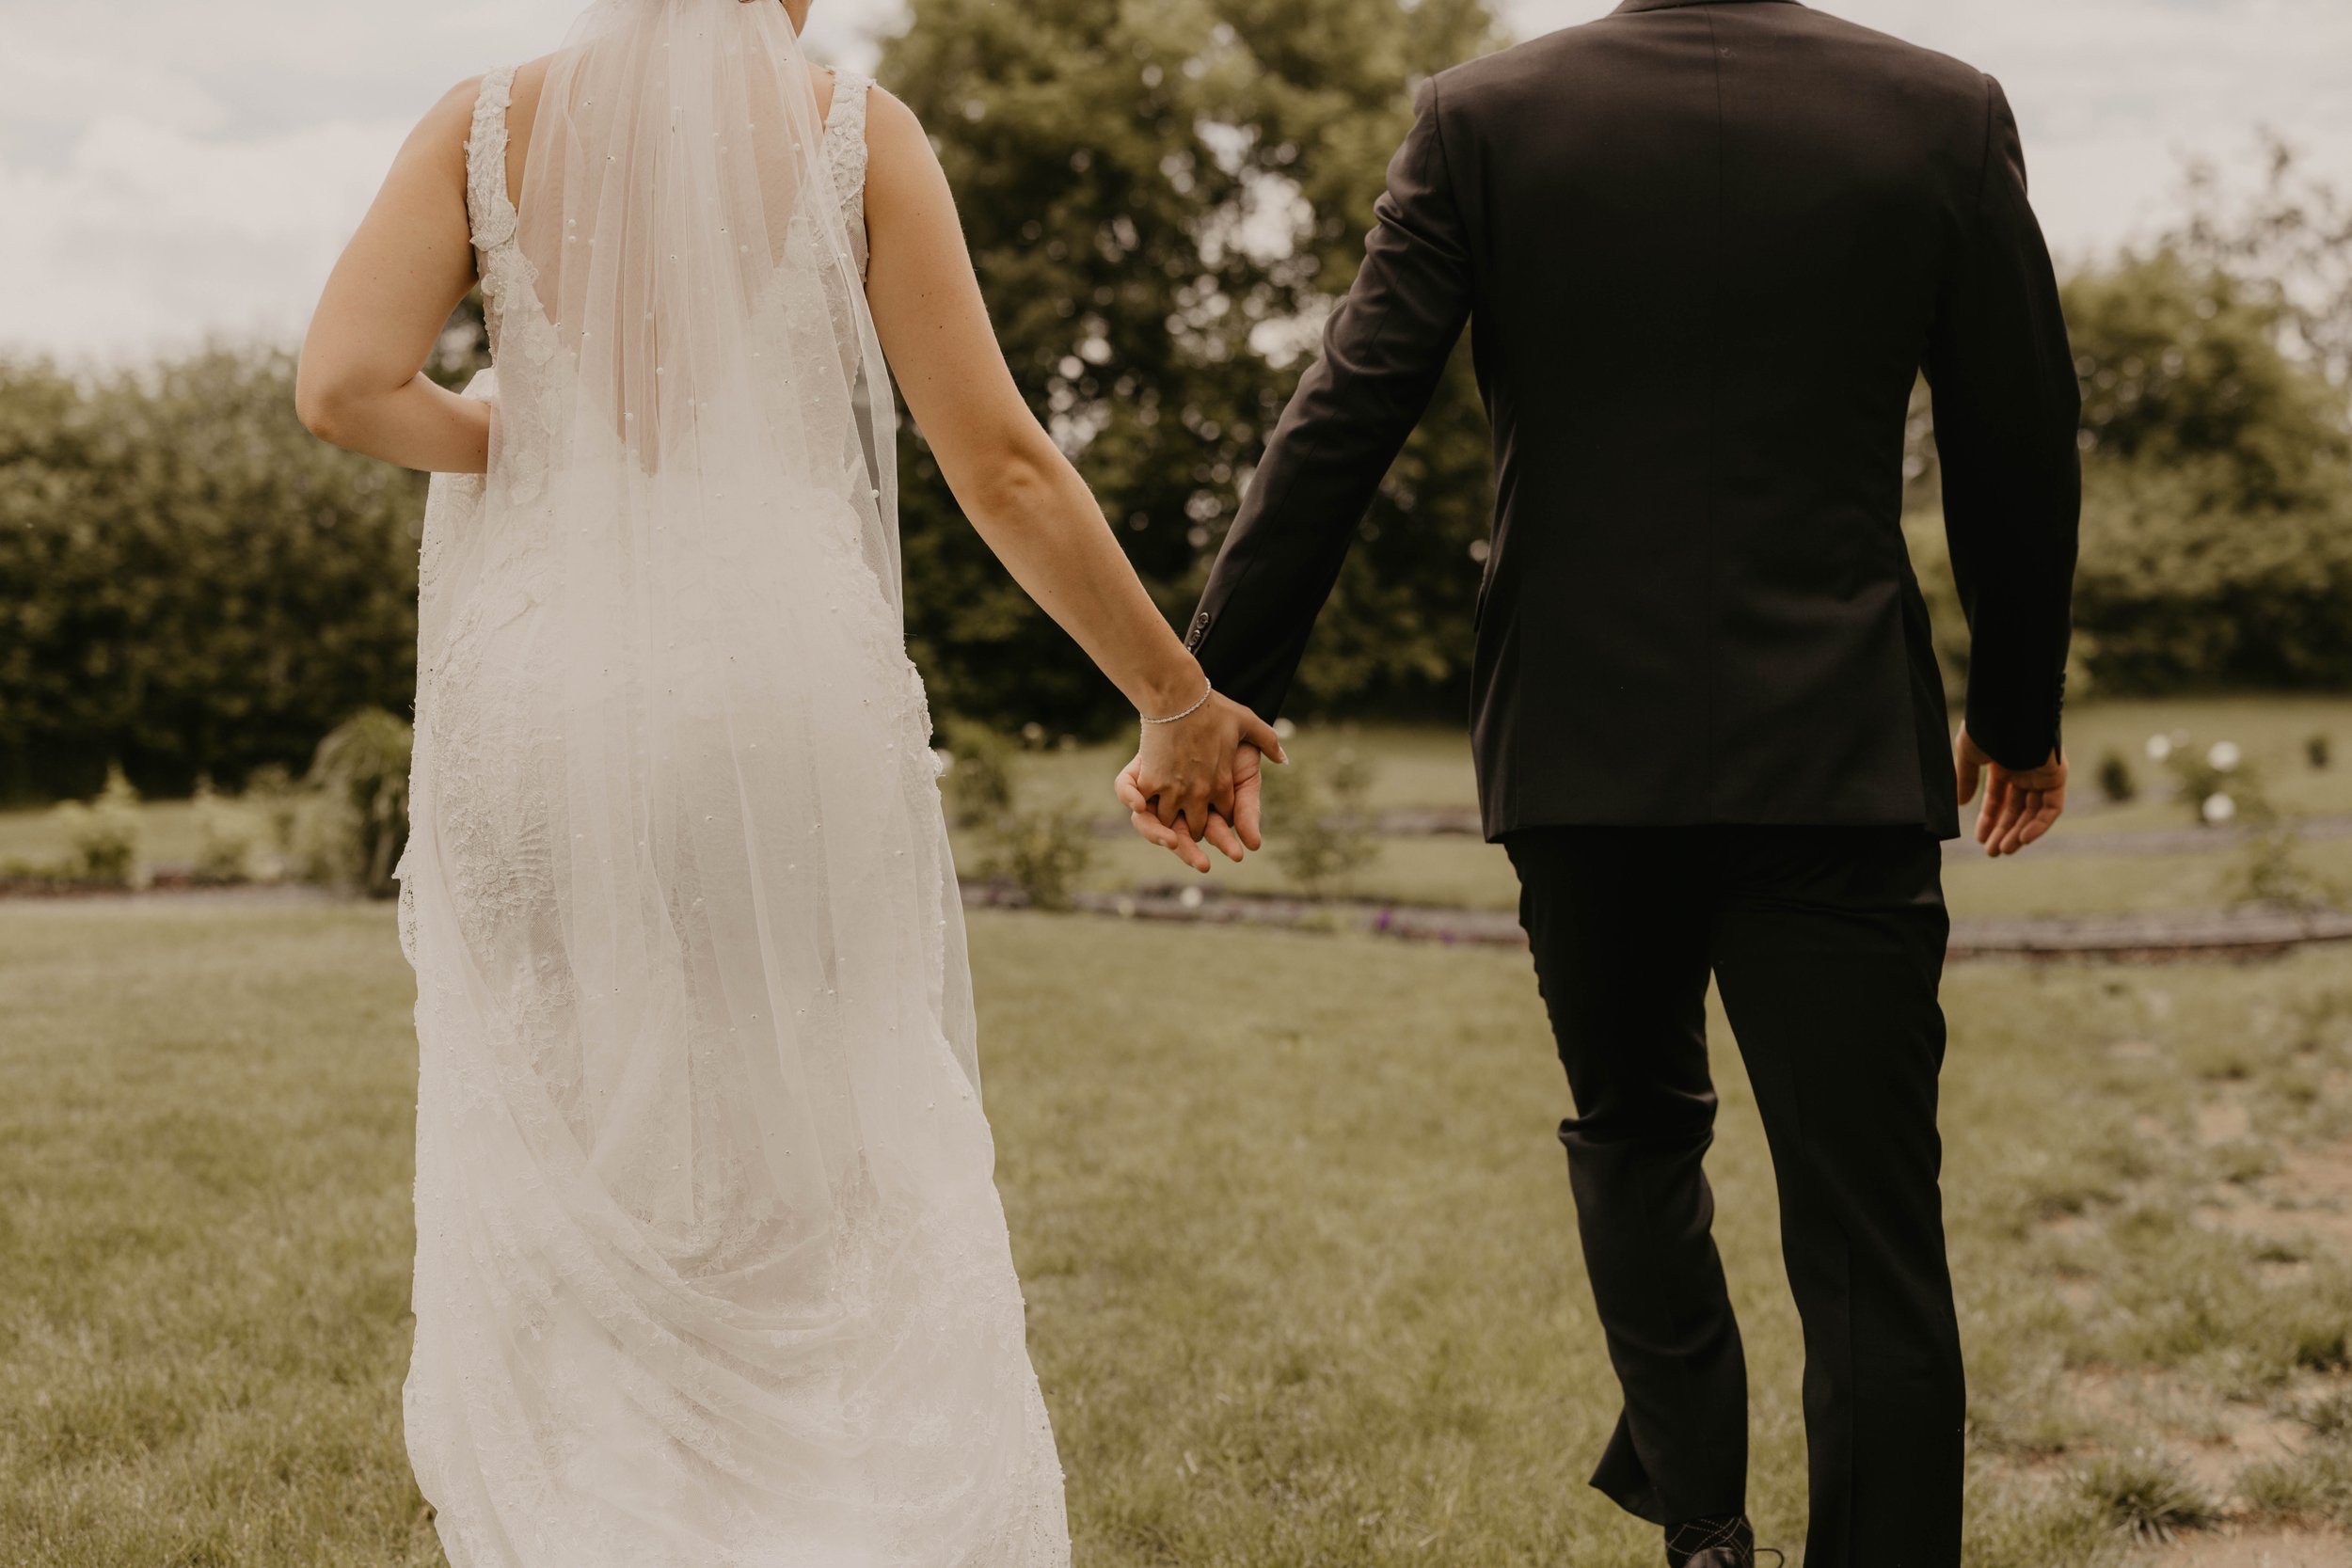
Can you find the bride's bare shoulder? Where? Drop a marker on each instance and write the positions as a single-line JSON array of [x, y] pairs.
[[898, 148]]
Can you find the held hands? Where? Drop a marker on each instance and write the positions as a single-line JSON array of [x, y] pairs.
[[2019, 807], [1231, 835], [1199, 779]]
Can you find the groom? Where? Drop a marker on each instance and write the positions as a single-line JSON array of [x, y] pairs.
[[1705, 246]]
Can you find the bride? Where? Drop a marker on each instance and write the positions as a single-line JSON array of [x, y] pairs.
[[710, 1268]]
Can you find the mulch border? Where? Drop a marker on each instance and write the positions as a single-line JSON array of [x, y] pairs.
[[2249, 933], [2146, 937]]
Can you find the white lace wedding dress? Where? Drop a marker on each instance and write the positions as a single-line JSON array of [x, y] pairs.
[[711, 1271]]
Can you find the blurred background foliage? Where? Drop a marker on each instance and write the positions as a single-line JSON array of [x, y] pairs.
[[1163, 201], [188, 582]]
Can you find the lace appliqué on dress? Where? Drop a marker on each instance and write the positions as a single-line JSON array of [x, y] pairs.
[[845, 158]]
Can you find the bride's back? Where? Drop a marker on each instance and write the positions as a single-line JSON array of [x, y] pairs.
[[531, 80], [674, 301]]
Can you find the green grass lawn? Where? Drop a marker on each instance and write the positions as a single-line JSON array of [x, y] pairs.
[[1295, 1233]]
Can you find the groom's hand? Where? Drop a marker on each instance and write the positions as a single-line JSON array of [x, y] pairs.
[[2019, 806], [1231, 838]]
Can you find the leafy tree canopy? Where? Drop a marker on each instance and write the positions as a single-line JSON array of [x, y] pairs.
[[1162, 201]]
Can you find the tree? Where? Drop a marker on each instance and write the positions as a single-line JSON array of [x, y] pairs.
[[2182, 368], [2289, 240], [1162, 201], [2217, 538]]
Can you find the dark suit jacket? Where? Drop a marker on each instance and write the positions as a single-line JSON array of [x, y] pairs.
[[1705, 248]]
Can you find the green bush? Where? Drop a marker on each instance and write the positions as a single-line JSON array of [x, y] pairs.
[[2273, 872], [1319, 820], [234, 840], [1043, 851], [354, 828], [103, 835], [2115, 781], [2215, 784], [2179, 591], [2216, 527], [189, 582], [978, 783]]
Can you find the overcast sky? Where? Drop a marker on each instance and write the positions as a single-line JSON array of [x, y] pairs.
[[172, 170]]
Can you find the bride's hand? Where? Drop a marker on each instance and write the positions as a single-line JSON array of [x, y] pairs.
[[1231, 836], [1186, 771]]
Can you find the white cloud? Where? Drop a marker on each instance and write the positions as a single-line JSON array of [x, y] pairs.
[[2112, 94], [40, 84], [151, 236], [193, 169]]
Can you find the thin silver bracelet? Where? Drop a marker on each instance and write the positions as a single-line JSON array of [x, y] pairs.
[[1209, 691]]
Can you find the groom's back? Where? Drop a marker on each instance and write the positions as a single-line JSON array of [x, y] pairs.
[[1739, 214], [1707, 242], [1705, 247]]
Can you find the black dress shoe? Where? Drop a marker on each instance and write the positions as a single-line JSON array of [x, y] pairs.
[[1724, 1543]]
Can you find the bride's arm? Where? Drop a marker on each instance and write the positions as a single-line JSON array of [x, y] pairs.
[[1021, 492], [362, 382]]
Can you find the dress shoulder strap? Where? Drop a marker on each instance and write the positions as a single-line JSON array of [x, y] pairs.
[[844, 136], [488, 208]]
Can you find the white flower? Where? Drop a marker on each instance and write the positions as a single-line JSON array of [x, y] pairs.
[[2220, 809], [2224, 755], [1191, 897], [2159, 747]]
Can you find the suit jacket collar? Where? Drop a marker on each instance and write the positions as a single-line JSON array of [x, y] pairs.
[[1667, 4]]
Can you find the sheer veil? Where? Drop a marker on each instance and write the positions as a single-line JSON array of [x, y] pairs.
[[680, 217], [711, 1263]]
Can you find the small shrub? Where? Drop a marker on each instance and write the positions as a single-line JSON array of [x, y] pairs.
[[361, 774], [2273, 872], [104, 834], [2318, 1338], [1044, 852], [2313, 1485], [2242, 1161], [1320, 824], [2281, 1489], [279, 797], [978, 783], [2115, 781], [327, 844], [2216, 784], [234, 840], [2330, 1414], [2147, 1495]]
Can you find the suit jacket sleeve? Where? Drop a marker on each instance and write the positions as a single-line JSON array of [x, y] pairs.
[[2007, 407], [1384, 350]]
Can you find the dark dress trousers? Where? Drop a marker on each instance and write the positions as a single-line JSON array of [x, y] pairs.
[[1705, 247]]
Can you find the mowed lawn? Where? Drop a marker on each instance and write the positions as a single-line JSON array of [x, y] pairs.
[[1295, 1231]]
